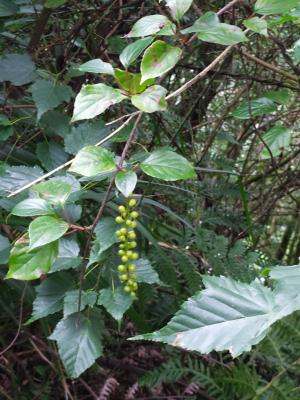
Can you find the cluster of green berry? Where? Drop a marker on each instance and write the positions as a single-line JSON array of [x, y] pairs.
[[127, 236]]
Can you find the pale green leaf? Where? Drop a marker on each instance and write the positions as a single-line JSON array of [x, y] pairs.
[[44, 230], [257, 25], [145, 272], [97, 66], [134, 50], [131, 82], [116, 302], [151, 100], [158, 59], [71, 301], [32, 207], [54, 191], [19, 69], [152, 24], [254, 108], [179, 7], [268, 7], [167, 165], [93, 100], [288, 279], [277, 139], [126, 182]]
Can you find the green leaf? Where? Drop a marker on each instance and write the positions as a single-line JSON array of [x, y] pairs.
[[268, 7], [32, 207], [55, 3], [151, 100], [44, 230], [50, 295], [126, 182], [167, 165], [93, 100], [178, 7], [14, 177], [131, 82], [257, 25], [54, 191], [134, 50], [105, 233], [92, 160], [277, 139], [145, 272], [71, 301], [51, 155], [8, 8], [26, 264], [97, 66], [116, 302], [279, 96], [158, 59], [288, 279], [6, 128], [254, 108], [79, 345], [55, 123], [152, 24], [19, 69], [296, 51], [48, 95], [68, 250], [4, 249]]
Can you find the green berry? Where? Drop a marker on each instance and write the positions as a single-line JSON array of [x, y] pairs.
[[133, 276], [132, 203], [121, 252], [123, 277], [135, 285], [119, 220], [131, 235], [134, 214], [122, 246], [135, 256], [130, 282], [122, 238], [127, 289], [122, 209], [132, 294], [129, 253], [122, 268], [124, 259], [132, 245], [131, 267], [123, 231], [118, 233], [133, 224], [128, 222]]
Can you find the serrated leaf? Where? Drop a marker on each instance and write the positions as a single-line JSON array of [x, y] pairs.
[[178, 7], [26, 264], [79, 345], [48, 95], [254, 108], [50, 296], [152, 24], [93, 160], [71, 301], [277, 139], [51, 155], [54, 191], [158, 59], [131, 82], [32, 207], [145, 272], [268, 7], [116, 302], [8, 8], [134, 50], [55, 123], [167, 165], [93, 100], [151, 100], [126, 182], [68, 251], [14, 177], [19, 69], [44, 230], [105, 233], [97, 66], [257, 25]]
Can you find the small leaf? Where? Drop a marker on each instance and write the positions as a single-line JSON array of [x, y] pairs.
[[79, 344], [151, 100], [254, 108], [32, 207], [145, 272], [152, 24], [55, 3], [97, 66], [25, 264], [116, 302], [54, 191], [71, 301], [179, 7], [126, 182], [131, 82], [68, 250], [19, 69], [92, 160], [44, 230], [158, 59], [168, 166], [133, 51], [4, 249], [277, 139], [6, 128], [257, 25], [268, 7], [93, 100]]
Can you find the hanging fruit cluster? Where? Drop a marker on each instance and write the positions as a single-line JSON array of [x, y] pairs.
[[127, 236]]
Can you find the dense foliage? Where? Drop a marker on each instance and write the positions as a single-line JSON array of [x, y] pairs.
[[149, 197]]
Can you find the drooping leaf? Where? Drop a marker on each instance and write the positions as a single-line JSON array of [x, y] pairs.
[[71, 301], [8, 8], [145, 272], [268, 7], [131, 82], [279, 96], [167, 165], [126, 182], [15, 177], [97, 66], [254, 108], [44, 230], [158, 59], [55, 3], [28, 265], [68, 251], [277, 139], [54, 191], [93, 100], [152, 24], [48, 95], [116, 302], [79, 344], [92, 160], [4, 249], [151, 100], [179, 7], [31, 207], [50, 295], [257, 25], [19, 69], [134, 50], [51, 155]]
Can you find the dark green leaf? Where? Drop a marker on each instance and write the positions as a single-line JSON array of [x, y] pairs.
[[68, 251], [254, 108], [279, 96], [152, 24], [97, 66], [51, 155], [71, 301], [151, 100], [44, 230], [14, 177], [105, 233], [55, 3], [116, 302], [145, 272], [31, 207], [8, 8], [17, 68], [277, 139], [133, 51], [126, 182], [4, 249]]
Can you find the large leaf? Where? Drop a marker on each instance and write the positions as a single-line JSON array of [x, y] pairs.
[[158, 59], [134, 50], [72, 298], [92, 160], [44, 230], [32, 207], [48, 95], [254, 108], [145, 272], [279, 96], [51, 155], [14, 177], [7, 8], [277, 139], [79, 344], [179, 7], [97, 66], [68, 250], [126, 182], [151, 100], [54, 191], [19, 69], [152, 24], [105, 233], [93, 100], [26, 264], [167, 165], [267, 7], [257, 25], [116, 302]]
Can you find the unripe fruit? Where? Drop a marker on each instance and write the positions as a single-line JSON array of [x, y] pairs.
[[135, 256], [124, 259], [118, 233], [119, 220], [134, 214], [122, 209], [129, 253], [123, 277], [133, 224], [122, 246], [132, 245], [131, 235], [132, 294], [129, 222], [123, 231], [122, 268], [132, 203], [135, 285], [133, 276], [130, 282], [122, 238], [127, 289], [121, 252], [131, 267]]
